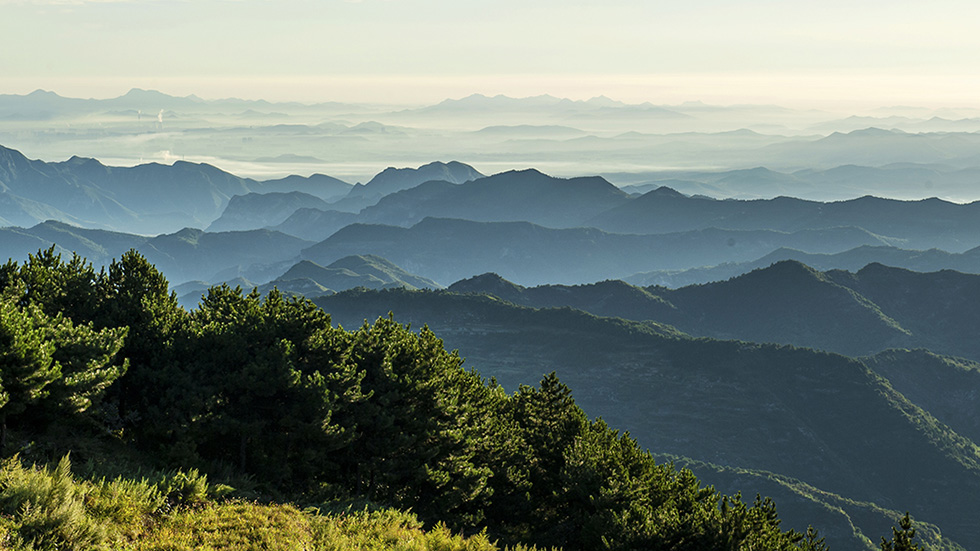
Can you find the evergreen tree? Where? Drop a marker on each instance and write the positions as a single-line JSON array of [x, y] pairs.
[[55, 286], [415, 433], [90, 362], [811, 541], [26, 363], [550, 422], [132, 293], [263, 401], [53, 364], [901, 537]]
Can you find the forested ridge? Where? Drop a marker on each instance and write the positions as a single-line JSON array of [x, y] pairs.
[[271, 403]]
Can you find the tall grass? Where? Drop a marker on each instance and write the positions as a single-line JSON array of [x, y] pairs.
[[46, 508]]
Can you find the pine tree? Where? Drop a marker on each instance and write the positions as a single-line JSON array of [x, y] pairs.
[[132, 293], [263, 396], [26, 363], [811, 541], [901, 537], [90, 362], [53, 365], [55, 286]]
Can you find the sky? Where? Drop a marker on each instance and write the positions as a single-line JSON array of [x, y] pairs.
[[822, 54]]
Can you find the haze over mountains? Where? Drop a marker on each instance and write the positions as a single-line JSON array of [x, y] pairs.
[[734, 285], [630, 144], [527, 226]]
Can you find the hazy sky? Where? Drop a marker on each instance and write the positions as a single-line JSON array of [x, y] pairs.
[[866, 52]]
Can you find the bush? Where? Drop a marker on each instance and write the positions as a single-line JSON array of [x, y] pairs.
[[125, 503], [185, 488], [47, 507]]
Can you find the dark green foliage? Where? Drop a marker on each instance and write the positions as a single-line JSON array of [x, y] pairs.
[[901, 537], [90, 362], [57, 287], [46, 361], [811, 541], [728, 403], [413, 433], [266, 389], [26, 365], [260, 396]]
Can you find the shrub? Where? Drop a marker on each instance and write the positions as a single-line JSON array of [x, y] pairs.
[[127, 504], [47, 507], [185, 488]]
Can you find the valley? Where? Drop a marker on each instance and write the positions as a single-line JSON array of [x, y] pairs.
[[771, 329]]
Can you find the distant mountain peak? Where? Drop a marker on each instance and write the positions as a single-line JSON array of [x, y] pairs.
[[788, 270], [522, 171], [141, 93], [358, 260], [39, 93], [77, 160], [872, 132], [391, 179], [665, 191], [489, 283], [604, 101]]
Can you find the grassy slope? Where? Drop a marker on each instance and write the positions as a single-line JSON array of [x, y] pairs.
[[48, 508]]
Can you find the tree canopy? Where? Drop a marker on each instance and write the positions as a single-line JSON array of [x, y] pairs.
[[265, 387]]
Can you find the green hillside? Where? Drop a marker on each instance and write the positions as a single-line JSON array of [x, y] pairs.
[[50, 508], [860, 313], [185, 428], [827, 420]]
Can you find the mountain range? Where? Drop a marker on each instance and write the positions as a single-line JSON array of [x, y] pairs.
[[854, 313], [830, 437], [447, 250], [932, 260], [145, 199], [859, 405], [309, 279], [920, 224], [44, 104], [188, 254], [639, 142], [259, 210]]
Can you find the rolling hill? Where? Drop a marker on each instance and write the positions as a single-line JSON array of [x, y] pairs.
[[826, 421], [924, 224], [189, 254], [448, 250], [860, 313], [932, 260], [309, 279]]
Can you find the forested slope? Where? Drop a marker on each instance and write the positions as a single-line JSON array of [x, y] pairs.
[[826, 420], [267, 392]]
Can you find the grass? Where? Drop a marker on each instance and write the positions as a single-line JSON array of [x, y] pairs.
[[46, 508]]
